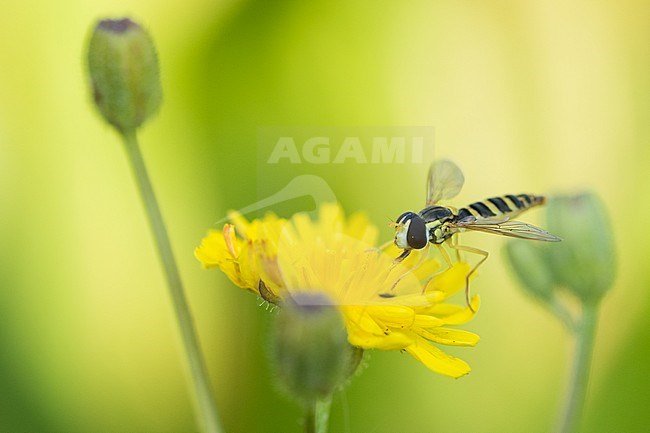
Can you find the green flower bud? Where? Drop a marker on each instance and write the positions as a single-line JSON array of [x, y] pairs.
[[124, 73], [310, 349], [584, 262], [528, 262]]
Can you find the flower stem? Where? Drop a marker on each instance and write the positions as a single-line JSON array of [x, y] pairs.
[[204, 398], [579, 380], [317, 416], [562, 314]]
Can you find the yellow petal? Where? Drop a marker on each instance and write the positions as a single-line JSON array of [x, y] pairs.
[[436, 360], [213, 250], [391, 341], [425, 321], [392, 316], [230, 239], [304, 228], [216, 251], [426, 270], [241, 224], [270, 229], [330, 218], [249, 273], [450, 337], [450, 281], [455, 314], [365, 332], [357, 318], [360, 228]]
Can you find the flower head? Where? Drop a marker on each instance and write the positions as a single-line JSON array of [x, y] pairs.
[[384, 305]]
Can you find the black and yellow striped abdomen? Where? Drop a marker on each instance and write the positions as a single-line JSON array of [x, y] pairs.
[[503, 206]]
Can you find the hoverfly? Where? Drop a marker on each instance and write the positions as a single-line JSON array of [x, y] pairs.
[[438, 224]]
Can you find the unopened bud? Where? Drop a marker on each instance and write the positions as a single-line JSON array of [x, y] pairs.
[[584, 262], [310, 352], [124, 73], [530, 266]]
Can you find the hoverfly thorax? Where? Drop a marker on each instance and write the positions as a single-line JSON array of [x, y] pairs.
[[440, 231], [410, 231], [437, 220]]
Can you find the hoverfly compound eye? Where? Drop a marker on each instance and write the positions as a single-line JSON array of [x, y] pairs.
[[416, 236], [401, 230], [404, 217]]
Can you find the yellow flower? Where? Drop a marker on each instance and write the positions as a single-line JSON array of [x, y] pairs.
[[384, 305]]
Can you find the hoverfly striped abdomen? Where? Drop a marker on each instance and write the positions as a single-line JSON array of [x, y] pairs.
[[499, 207]]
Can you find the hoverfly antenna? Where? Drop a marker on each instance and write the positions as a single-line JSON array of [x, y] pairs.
[[393, 224]]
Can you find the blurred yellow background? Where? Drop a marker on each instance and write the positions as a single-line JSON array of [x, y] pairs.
[[539, 96]]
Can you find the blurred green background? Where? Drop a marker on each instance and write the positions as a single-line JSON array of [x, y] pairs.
[[539, 96]]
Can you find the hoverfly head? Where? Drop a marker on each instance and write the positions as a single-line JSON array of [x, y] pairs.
[[410, 232]]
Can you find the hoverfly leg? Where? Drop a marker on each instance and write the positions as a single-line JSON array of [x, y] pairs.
[[467, 249], [399, 259], [396, 261], [445, 256], [453, 242], [447, 259]]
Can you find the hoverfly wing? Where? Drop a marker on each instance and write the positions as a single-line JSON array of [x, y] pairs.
[[445, 181], [513, 229]]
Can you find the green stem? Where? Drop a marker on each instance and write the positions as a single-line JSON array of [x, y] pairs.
[[317, 416], [310, 418], [204, 397], [579, 380], [562, 314]]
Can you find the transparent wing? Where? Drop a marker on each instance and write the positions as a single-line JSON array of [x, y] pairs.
[[513, 229], [445, 181]]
